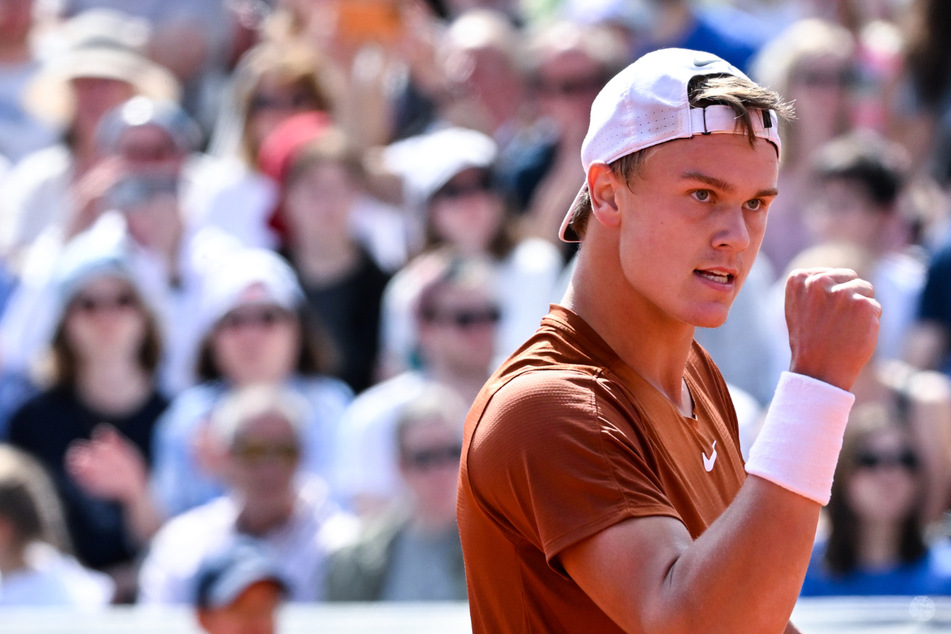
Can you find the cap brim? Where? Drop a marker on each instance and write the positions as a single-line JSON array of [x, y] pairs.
[[566, 232], [233, 587]]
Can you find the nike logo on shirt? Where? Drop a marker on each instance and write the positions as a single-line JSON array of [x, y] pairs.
[[708, 462]]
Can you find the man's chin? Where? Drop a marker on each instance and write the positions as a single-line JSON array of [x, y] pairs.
[[711, 319]]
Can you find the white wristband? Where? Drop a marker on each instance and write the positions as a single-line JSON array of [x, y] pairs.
[[799, 444]]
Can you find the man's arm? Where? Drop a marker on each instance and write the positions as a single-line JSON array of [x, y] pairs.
[[742, 575], [745, 572]]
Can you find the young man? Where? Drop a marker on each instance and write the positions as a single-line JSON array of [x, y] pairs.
[[601, 486]]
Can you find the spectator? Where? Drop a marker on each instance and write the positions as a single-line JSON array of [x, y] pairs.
[[258, 433], [722, 30], [102, 67], [239, 591], [20, 132], [926, 127], [569, 63], [197, 41], [35, 565], [456, 313], [929, 342], [92, 424], [253, 328], [383, 55], [859, 181], [324, 204], [876, 544], [812, 63], [413, 553], [628, 20], [272, 82], [144, 177], [482, 61], [382, 228], [450, 178]]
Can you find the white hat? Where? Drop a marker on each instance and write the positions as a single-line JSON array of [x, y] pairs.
[[647, 104], [428, 161], [100, 251], [100, 43], [248, 276]]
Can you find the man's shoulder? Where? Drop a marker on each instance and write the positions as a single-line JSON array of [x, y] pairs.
[[562, 364], [533, 404], [545, 382]]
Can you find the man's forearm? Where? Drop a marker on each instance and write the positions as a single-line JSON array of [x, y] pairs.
[[748, 567]]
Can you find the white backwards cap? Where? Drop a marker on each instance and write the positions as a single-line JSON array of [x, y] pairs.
[[647, 104]]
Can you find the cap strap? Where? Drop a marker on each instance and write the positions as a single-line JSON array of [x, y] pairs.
[[723, 119]]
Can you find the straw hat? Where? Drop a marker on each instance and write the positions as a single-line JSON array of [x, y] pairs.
[[99, 43]]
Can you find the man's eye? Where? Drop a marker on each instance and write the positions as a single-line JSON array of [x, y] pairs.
[[755, 204], [703, 195]]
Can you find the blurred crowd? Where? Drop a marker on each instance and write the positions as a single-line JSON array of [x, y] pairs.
[[258, 256]]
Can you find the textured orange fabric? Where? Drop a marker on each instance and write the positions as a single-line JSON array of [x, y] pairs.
[[564, 441]]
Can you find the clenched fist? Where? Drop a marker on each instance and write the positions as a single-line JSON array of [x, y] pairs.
[[833, 320]]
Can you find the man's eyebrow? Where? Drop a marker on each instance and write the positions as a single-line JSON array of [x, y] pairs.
[[722, 185]]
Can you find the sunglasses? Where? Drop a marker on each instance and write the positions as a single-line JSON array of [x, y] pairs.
[[94, 304], [425, 459], [871, 460], [261, 317], [256, 453], [466, 318], [454, 191]]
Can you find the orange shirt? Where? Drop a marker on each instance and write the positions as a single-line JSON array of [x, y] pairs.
[[564, 441]]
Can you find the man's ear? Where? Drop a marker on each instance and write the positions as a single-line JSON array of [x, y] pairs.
[[602, 187]]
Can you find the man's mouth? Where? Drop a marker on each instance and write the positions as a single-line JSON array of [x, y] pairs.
[[715, 276]]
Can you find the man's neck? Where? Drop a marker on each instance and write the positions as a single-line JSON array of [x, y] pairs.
[[656, 349]]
